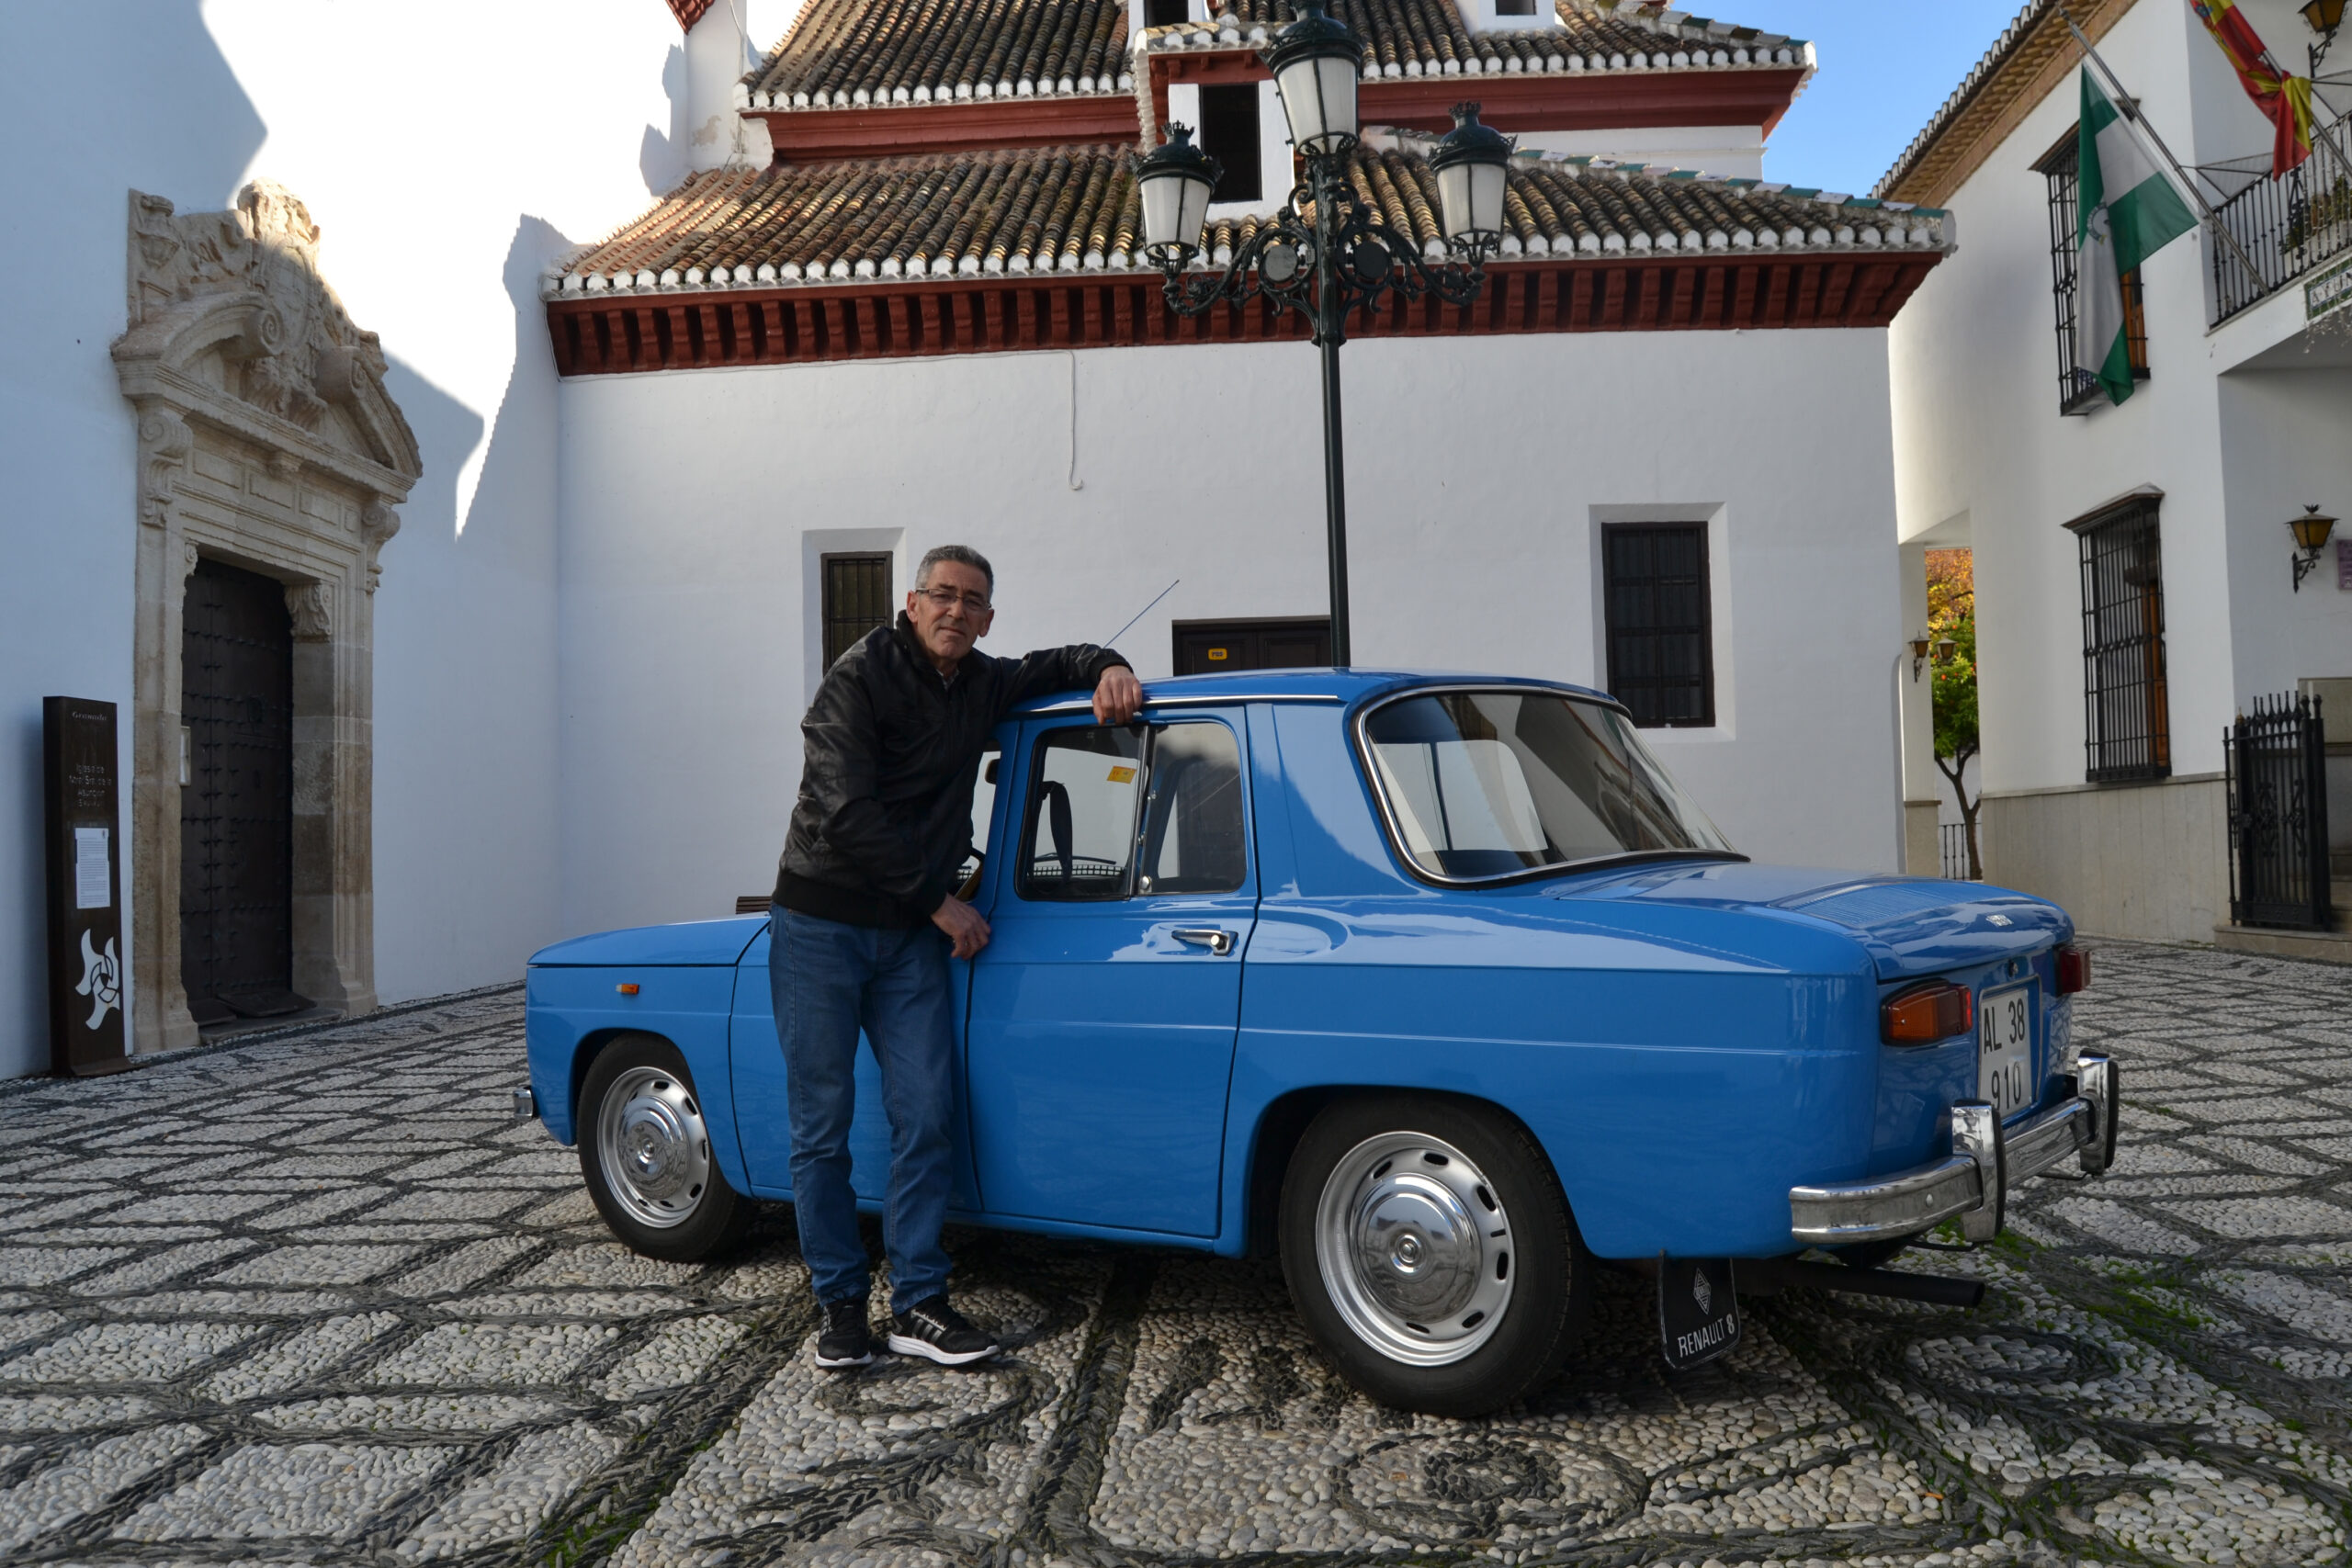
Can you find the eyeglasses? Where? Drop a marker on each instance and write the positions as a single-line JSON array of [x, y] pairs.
[[947, 599]]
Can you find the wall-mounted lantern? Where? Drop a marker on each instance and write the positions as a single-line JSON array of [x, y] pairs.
[[2311, 532], [1919, 655], [2324, 17], [1945, 649]]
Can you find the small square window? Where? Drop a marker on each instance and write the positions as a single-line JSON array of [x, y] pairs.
[[857, 600], [1230, 134], [1166, 13], [1661, 638]]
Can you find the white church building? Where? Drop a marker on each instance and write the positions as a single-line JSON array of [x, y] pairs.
[[2137, 584], [460, 576]]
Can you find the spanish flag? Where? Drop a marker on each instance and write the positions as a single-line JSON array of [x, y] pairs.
[[2285, 101]]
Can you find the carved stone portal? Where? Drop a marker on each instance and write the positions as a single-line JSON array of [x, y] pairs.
[[265, 441]]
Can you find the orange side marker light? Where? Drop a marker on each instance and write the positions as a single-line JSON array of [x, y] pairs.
[[626, 987]]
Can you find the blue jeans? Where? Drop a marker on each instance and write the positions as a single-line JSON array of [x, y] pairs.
[[829, 981]]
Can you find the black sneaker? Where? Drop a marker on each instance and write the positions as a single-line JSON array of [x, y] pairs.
[[938, 1332], [846, 1341]]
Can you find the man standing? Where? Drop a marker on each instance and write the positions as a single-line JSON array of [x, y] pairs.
[[865, 917]]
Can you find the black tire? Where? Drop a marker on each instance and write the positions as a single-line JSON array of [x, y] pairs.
[[1494, 1359], [639, 1104]]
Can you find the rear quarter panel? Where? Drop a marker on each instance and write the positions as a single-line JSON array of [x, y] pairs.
[[1681, 1067]]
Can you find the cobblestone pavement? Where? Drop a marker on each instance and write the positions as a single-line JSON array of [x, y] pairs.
[[317, 1299]]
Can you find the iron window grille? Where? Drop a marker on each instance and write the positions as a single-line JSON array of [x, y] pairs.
[[1660, 630], [2126, 724], [1230, 134], [857, 600], [2078, 391]]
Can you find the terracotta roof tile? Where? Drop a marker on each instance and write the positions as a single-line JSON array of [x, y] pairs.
[[841, 53], [1427, 38], [1074, 209]]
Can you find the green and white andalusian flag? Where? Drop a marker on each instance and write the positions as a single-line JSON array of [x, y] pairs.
[[2126, 210]]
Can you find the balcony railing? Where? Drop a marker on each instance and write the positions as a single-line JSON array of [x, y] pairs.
[[2285, 227]]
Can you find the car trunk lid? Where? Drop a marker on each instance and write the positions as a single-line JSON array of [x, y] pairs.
[[1910, 926]]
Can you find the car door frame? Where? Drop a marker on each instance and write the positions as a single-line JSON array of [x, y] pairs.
[[1019, 751]]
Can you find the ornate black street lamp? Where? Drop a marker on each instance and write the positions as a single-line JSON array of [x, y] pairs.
[[1324, 254]]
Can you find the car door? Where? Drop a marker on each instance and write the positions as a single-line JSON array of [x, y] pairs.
[[1104, 1007], [756, 1062]]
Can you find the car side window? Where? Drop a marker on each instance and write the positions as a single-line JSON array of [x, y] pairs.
[[1117, 812], [1079, 833], [983, 813], [1193, 823]]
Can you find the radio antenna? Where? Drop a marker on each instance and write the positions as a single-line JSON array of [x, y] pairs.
[[1139, 615]]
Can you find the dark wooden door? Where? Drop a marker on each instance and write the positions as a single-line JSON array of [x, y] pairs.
[[1204, 648], [237, 806]]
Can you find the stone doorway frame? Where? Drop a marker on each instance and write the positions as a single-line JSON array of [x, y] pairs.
[[267, 441]]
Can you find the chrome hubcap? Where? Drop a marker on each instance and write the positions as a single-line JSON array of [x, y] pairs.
[[655, 1152], [1414, 1249]]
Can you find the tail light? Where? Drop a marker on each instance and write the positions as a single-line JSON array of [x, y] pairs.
[[1925, 1013], [2074, 971]]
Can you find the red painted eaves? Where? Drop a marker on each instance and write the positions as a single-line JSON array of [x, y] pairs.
[[909, 319]]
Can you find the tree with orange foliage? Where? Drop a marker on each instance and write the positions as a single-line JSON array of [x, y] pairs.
[[1951, 623]]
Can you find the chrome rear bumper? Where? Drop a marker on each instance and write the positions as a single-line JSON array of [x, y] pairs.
[[1974, 1180]]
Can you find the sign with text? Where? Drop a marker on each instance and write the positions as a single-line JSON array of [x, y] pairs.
[[1698, 1311], [85, 843], [2331, 290]]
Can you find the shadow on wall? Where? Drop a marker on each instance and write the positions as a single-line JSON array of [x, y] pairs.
[[188, 132], [522, 433], [662, 159]]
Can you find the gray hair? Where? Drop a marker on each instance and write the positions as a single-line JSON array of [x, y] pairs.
[[964, 555]]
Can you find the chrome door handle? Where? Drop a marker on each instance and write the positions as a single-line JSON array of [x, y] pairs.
[[1218, 941]]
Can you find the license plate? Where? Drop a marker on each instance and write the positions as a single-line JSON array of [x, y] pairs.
[[2004, 1049]]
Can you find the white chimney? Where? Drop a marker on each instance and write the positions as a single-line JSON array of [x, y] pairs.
[[719, 53]]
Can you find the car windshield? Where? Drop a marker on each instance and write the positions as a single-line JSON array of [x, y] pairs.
[[1483, 785]]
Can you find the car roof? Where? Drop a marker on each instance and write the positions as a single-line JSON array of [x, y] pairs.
[[1311, 684]]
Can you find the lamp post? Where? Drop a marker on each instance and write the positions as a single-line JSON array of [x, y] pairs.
[[1326, 254]]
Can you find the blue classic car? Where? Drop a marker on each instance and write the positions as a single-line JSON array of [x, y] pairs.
[[1438, 987]]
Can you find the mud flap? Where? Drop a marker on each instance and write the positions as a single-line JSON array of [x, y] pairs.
[[1698, 1310]]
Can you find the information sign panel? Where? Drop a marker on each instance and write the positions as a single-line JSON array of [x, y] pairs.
[[84, 841]]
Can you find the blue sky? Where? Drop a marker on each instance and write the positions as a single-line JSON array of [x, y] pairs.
[[1887, 65]]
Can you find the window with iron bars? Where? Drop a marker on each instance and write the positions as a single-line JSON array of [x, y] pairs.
[[857, 600], [2126, 726], [2078, 391], [1661, 637]]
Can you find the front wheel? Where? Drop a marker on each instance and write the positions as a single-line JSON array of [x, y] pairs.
[[645, 1155], [1430, 1252]]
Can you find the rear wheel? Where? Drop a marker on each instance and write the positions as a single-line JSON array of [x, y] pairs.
[[1429, 1249], [645, 1155]]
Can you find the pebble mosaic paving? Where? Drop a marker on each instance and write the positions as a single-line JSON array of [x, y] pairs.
[[317, 1299]]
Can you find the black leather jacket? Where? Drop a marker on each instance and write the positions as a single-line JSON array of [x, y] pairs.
[[890, 749]]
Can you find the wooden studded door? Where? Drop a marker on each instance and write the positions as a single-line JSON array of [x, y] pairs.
[[237, 801]]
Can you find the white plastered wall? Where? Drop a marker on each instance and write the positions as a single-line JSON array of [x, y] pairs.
[[447, 152], [1476, 470], [1977, 432]]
